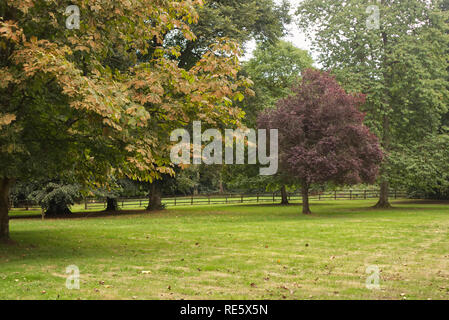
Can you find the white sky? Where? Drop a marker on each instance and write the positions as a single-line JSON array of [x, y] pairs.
[[296, 36]]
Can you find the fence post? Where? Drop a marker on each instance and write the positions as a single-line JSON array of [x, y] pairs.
[[350, 195], [257, 198], [191, 202], [242, 198], [175, 200], [335, 194], [274, 197], [209, 198], [85, 203]]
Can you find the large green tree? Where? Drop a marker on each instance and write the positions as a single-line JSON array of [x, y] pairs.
[[397, 57], [274, 69], [80, 99], [239, 20]]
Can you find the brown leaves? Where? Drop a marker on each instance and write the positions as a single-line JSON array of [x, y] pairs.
[[132, 109], [6, 119], [11, 31]]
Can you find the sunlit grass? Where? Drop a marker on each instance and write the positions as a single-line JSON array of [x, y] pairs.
[[233, 252]]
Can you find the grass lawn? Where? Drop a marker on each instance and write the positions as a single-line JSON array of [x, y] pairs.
[[234, 252]]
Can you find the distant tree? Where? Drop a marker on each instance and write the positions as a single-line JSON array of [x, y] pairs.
[[56, 198], [240, 20], [321, 135], [274, 69]]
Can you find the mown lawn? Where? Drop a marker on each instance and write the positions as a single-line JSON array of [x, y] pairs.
[[234, 252]]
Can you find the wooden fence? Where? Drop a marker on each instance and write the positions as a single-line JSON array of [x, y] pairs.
[[223, 199]]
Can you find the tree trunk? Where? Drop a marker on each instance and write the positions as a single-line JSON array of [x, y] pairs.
[[220, 185], [5, 185], [155, 198], [112, 204], [284, 196], [386, 127], [383, 197], [305, 200]]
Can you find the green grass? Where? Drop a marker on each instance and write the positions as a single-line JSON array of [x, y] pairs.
[[234, 252]]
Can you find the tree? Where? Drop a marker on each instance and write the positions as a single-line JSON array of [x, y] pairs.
[[274, 69], [239, 20], [66, 102], [322, 137], [399, 62]]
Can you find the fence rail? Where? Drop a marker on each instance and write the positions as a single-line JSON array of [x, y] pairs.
[[137, 203]]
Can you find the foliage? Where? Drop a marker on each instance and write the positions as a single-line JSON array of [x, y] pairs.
[[273, 69], [401, 67], [59, 89], [424, 169], [82, 100], [321, 134], [239, 20], [55, 198]]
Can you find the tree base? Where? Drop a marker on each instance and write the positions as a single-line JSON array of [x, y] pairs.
[[111, 205], [383, 205], [156, 207], [58, 211], [306, 212]]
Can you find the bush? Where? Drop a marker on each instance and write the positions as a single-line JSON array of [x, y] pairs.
[[56, 198]]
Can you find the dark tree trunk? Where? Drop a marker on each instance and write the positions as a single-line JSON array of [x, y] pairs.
[[384, 203], [5, 185], [221, 186], [111, 204], [155, 198], [305, 200], [284, 196]]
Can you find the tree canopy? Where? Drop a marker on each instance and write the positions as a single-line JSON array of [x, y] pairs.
[[322, 137], [81, 100], [401, 66]]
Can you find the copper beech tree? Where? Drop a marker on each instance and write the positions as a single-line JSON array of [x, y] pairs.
[[322, 137], [82, 100]]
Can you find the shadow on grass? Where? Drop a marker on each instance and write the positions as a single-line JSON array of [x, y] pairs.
[[85, 215]]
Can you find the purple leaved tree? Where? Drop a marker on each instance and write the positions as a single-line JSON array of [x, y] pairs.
[[322, 137]]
